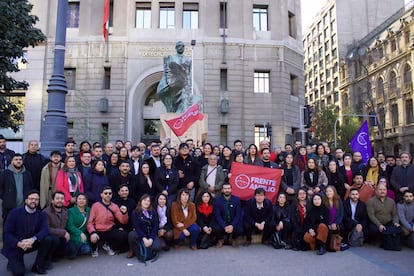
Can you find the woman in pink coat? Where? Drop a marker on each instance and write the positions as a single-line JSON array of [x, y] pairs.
[[69, 181]]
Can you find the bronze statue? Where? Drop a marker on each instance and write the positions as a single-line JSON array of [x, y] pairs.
[[174, 88]]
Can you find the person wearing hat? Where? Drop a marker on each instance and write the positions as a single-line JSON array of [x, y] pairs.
[[5, 154], [48, 178], [188, 170]]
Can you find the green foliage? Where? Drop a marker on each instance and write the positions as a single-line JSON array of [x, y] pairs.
[[17, 32], [323, 125], [348, 129]]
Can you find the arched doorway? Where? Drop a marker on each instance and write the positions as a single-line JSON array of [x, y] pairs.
[[153, 108]]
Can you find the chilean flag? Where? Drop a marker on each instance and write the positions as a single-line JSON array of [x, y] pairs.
[[105, 25], [180, 124]]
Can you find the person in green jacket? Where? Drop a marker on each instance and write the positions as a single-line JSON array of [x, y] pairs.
[[77, 221]]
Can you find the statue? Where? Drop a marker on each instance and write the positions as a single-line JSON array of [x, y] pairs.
[[174, 88]]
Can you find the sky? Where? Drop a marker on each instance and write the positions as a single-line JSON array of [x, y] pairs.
[[311, 7]]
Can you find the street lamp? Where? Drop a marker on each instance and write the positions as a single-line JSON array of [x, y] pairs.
[[54, 131], [193, 43]]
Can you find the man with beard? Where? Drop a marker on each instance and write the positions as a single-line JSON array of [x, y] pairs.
[[26, 230], [85, 164], [154, 161], [69, 149], [15, 182], [102, 218], [48, 178], [267, 160], [406, 214], [228, 217], [34, 162], [390, 160], [6, 155], [355, 214], [57, 218], [188, 170], [124, 177], [123, 199]]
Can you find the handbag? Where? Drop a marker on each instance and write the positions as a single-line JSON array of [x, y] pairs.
[[335, 243], [276, 241]]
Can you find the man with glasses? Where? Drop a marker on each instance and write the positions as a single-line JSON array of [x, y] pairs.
[[102, 218], [26, 230]]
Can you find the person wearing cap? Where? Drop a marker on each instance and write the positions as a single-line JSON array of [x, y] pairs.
[[188, 170], [5, 154], [48, 178]]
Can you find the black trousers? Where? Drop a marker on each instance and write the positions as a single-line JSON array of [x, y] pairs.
[[43, 247], [219, 232], [115, 238], [268, 229], [61, 248]]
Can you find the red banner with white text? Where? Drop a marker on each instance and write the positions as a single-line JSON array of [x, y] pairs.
[[180, 124], [247, 178]]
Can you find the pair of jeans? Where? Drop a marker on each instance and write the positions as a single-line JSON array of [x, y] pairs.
[[194, 230]]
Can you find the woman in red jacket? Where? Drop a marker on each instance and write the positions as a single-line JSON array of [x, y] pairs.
[[69, 181]]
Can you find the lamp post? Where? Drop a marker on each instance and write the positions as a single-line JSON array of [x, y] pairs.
[[54, 131], [193, 43]]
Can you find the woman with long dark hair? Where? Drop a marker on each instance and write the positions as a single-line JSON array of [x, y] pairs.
[[95, 181], [205, 216], [145, 223], [69, 181], [252, 156], [336, 178], [166, 179], [165, 232], [313, 178], [300, 158], [113, 164], [291, 179], [146, 183]]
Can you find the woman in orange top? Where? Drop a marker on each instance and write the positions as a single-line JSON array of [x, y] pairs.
[[183, 217]]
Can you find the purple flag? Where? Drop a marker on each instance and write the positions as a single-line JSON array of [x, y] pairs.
[[361, 142]]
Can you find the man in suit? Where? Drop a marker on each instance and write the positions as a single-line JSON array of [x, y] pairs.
[[355, 213], [402, 178]]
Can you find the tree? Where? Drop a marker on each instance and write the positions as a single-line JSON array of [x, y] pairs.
[[323, 124], [17, 32], [348, 128]]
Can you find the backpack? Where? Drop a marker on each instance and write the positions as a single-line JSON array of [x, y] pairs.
[[145, 254], [391, 238], [355, 238]]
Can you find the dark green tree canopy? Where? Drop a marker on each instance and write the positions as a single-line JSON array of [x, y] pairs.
[[17, 32]]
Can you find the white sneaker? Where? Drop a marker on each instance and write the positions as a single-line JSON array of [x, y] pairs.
[[108, 249], [95, 253]]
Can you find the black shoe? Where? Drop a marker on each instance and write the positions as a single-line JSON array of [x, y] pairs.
[[321, 251], [38, 270], [247, 243]]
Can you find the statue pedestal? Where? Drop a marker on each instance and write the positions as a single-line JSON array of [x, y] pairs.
[[197, 132]]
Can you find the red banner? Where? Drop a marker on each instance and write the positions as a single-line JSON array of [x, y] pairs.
[[105, 24], [180, 124], [247, 178]]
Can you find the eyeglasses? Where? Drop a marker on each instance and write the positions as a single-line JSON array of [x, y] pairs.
[[107, 193]]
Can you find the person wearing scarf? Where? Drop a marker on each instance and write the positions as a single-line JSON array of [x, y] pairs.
[[165, 232], [313, 178], [69, 181], [205, 217]]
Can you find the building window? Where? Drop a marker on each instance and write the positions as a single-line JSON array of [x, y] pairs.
[[333, 39], [316, 94], [294, 85], [393, 81], [409, 111], [107, 78], [260, 18], [326, 45], [259, 134], [223, 15], [407, 37], [393, 45], [336, 82], [380, 87], [190, 16], [223, 134], [380, 52], [292, 24], [70, 76], [111, 13], [394, 114], [143, 15], [336, 96], [167, 16], [104, 132], [72, 15], [223, 79], [407, 74], [334, 53], [261, 82], [345, 100]]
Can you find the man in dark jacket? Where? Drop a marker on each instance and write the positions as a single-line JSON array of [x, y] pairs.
[[15, 182], [57, 218], [188, 170], [258, 217], [228, 216], [6, 155], [355, 214], [26, 230], [34, 162], [402, 178]]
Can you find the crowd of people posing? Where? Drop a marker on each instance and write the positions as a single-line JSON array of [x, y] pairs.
[[144, 199]]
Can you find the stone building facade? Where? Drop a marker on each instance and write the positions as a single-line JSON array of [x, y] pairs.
[[247, 54], [377, 78]]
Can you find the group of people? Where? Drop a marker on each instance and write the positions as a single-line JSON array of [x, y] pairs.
[[122, 198]]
